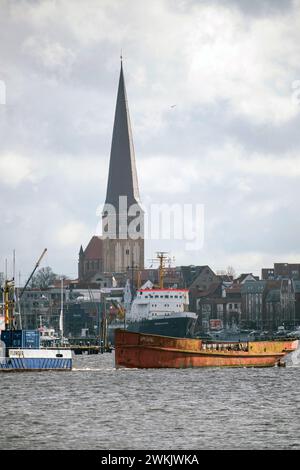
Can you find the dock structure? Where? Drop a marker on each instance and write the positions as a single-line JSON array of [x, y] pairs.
[[92, 349], [85, 347]]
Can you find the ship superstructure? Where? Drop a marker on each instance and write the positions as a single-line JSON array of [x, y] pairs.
[[162, 311]]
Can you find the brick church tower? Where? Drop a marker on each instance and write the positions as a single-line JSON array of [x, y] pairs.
[[121, 246]]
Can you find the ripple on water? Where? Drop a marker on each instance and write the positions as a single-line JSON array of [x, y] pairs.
[[98, 407]]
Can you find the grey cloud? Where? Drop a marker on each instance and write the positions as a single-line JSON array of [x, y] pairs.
[[253, 7], [261, 7], [61, 113]]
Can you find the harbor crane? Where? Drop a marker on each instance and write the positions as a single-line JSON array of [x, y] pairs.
[[31, 275], [9, 297]]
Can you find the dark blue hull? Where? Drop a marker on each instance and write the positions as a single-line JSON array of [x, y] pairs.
[[36, 364], [182, 327]]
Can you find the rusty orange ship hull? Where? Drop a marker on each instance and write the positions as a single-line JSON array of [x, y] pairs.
[[136, 350]]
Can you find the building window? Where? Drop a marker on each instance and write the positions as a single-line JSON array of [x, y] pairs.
[[127, 252]]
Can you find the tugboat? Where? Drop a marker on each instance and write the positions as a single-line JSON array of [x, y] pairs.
[[20, 349], [162, 311]]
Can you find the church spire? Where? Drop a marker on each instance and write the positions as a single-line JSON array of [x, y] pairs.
[[122, 178], [120, 248]]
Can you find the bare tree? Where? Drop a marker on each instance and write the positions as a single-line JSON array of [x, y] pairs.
[[230, 271], [43, 278]]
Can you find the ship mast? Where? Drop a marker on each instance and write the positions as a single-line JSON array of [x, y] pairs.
[[161, 255], [8, 292]]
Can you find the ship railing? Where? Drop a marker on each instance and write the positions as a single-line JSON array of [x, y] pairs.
[[225, 347]]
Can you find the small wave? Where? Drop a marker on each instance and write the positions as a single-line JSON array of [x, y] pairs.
[[294, 359], [88, 369]]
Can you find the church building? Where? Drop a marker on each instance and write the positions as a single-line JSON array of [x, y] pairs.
[[121, 246]]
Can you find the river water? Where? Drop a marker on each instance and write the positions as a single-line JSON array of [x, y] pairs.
[[98, 407]]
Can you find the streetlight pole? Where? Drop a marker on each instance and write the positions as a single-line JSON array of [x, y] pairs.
[[103, 325], [61, 318]]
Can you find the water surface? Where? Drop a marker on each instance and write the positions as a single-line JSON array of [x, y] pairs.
[[98, 407]]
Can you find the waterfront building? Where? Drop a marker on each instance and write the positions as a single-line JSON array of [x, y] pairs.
[[282, 271], [219, 305], [41, 307]]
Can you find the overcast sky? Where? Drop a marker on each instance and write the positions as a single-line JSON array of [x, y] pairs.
[[231, 142]]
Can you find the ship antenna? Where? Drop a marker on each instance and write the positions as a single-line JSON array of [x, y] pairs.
[[162, 258]]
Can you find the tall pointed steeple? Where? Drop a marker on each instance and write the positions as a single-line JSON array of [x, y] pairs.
[[122, 248], [122, 178]]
